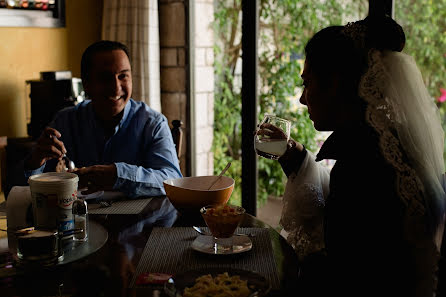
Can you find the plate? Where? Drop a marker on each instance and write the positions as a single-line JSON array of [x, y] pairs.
[[175, 286], [89, 196], [206, 244]]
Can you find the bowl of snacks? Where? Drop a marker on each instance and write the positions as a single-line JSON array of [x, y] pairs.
[[217, 282], [222, 220], [189, 194]]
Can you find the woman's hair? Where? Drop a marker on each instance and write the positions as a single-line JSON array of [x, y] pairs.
[[344, 49]]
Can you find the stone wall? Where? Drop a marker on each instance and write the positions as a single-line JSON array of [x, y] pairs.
[[175, 80], [204, 86], [173, 67]]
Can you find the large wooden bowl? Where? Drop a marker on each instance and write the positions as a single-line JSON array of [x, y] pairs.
[[189, 194]]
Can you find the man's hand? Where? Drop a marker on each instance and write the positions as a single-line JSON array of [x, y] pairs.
[[48, 147], [96, 178]]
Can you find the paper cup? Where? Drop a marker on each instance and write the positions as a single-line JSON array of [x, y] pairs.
[[52, 197]]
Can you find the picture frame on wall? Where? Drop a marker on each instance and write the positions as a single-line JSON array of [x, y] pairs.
[[32, 13]]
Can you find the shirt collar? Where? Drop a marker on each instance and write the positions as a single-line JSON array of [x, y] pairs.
[[126, 112], [125, 115], [127, 108]]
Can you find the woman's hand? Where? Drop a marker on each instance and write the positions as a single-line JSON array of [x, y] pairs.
[[274, 132], [271, 131], [294, 144]]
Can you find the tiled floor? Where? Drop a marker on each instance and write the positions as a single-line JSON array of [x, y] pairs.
[[270, 212]]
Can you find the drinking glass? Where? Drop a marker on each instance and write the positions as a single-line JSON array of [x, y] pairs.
[[272, 142], [222, 221]]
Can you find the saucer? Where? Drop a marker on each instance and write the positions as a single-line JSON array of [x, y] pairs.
[[206, 244]]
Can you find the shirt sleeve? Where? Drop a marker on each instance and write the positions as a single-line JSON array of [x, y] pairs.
[[160, 163], [39, 170], [292, 160], [303, 207]]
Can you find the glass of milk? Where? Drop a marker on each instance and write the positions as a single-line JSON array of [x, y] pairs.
[[271, 138]]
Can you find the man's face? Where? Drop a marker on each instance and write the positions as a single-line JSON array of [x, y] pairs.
[[109, 84]]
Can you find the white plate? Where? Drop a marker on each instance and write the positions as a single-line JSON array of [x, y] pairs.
[[206, 244], [89, 196]]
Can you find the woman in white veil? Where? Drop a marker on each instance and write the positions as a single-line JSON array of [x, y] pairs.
[[373, 225]]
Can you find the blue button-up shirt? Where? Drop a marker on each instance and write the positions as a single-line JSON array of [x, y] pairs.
[[141, 147]]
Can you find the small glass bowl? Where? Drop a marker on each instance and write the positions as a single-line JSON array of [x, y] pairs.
[[222, 220]]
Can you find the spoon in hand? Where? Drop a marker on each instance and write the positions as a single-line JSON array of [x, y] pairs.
[[219, 176], [70, 164]]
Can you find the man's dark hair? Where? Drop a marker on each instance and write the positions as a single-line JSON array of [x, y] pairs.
[[98, 47]]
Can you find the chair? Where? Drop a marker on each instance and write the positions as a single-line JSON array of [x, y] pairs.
[[177, 135]]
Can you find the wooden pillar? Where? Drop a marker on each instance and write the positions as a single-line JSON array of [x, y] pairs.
[[250, 21]]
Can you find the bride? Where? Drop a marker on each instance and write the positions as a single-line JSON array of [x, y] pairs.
[[373, 225]]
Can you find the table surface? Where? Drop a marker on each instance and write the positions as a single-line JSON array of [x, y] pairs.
[[110, 270]]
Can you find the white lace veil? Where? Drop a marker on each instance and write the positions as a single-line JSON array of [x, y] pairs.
[[407, 121]]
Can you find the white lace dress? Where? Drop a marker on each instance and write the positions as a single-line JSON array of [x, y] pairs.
[[303, 207]]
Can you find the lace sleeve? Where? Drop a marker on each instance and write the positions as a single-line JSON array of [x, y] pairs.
[[303, 207]]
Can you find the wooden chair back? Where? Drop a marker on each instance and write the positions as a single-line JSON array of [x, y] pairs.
[[177, 135]]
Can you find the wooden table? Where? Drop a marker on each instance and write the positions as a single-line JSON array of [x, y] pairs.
[[110, 270]]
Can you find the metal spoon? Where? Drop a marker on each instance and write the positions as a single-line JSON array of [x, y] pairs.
[[202, 232], [70, 164]]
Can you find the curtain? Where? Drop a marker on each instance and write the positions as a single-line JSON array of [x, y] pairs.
[[135, 23]]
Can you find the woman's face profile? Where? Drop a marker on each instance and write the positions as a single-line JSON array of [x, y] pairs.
[[321, 98]]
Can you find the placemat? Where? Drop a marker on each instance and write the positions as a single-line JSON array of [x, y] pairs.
[[134, 206], [168, 250]]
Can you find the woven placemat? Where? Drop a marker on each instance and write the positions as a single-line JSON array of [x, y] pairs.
[[135, 206], [168, 250]]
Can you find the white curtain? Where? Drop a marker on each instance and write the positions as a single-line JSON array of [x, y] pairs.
[[135, 23]]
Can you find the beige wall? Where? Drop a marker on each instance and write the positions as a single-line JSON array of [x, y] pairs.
[[24, 52]]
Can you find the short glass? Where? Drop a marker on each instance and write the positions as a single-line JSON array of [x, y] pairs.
[[272, 142], [222, 221]]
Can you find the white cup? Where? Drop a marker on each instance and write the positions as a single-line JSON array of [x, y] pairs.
[[52, 196]]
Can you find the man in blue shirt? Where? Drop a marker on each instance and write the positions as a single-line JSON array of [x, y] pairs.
[[116, 143]]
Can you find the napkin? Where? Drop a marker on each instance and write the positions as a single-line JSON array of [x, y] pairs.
[[19, 208]]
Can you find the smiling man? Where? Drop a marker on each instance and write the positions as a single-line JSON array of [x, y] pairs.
[[116, 143]]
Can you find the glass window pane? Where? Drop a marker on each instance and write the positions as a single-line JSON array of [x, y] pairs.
[[285, 28]]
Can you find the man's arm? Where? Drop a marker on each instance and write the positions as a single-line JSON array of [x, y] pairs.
[[157, 163], [160, 163]]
